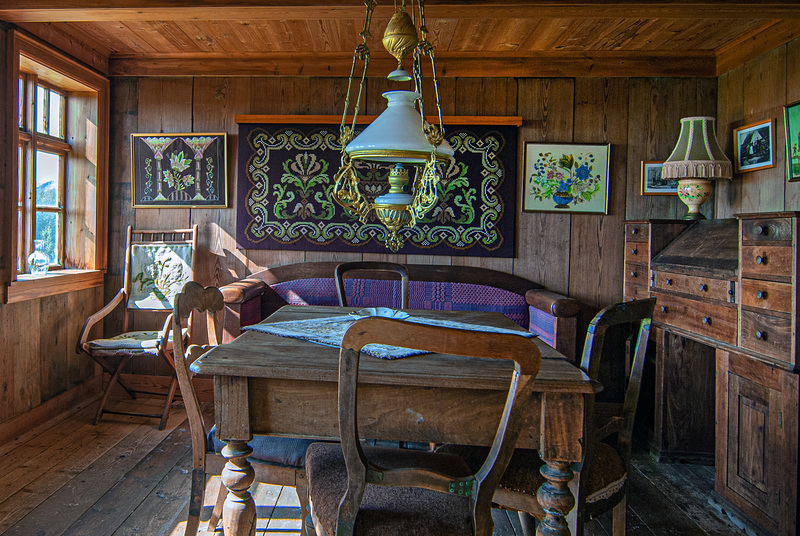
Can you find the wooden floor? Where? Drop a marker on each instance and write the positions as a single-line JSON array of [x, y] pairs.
[[124, 477]]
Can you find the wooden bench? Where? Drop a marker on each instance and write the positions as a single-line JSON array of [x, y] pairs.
[[550, 315]]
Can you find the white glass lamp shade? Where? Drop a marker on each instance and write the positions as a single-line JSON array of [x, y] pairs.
[[697, 153], [396, 135]]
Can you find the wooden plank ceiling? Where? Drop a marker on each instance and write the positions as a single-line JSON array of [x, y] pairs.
[[471, 38]]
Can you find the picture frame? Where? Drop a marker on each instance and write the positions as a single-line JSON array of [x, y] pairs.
[[792, 125], [754, 146], [652, 181], [562, 177], [179, 170]]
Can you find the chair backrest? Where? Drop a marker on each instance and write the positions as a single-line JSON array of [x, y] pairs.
[[638, 315], [206, 300], [376, 330], [345, 267], [157, 266]]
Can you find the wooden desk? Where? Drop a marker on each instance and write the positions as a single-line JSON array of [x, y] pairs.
[[266, 384]]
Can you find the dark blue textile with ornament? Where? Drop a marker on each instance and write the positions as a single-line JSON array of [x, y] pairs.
[[285, 186]]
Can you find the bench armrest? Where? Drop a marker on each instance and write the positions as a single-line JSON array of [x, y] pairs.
[[565, 310]]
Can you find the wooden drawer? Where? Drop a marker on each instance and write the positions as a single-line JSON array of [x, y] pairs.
[[702, 287], [766, 261], [636, 292], [767, 335], [637, 274], [714, 321], [766, 230], [637, 232], [637, 252], [766, 295]]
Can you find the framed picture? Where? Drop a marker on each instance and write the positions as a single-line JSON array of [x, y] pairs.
[[566, 178], [754, 146], [653, 183], [179, 170], [792, 122]]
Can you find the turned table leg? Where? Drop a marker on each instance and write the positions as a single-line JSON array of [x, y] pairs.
[[239, 511], [556, 499]]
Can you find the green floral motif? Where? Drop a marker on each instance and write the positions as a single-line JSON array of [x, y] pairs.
[[305, 189], [566, 178], [158, 277], [178, 164]]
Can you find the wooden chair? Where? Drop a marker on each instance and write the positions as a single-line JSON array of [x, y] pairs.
[[276, 460], [157, 265], [413, 491], [603, 475], [345, 267]]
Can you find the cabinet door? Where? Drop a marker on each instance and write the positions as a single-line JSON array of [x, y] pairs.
[[755, 423]]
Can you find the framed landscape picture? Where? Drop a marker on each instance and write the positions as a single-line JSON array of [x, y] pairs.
[[792, 116], [566, 178], [754, 146], [652, 181], [179, 170]]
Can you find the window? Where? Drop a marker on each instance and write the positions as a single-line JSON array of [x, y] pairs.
[[60, 155], [42, 160]]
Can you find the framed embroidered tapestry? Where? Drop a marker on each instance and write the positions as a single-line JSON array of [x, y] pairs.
[[179, 170], [286, 179]]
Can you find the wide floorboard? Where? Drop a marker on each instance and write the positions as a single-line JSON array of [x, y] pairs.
[[124, 477]]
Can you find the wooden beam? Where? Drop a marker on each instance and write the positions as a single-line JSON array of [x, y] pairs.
[[538, 64], [514, 120], [766, 38], [110, 10]]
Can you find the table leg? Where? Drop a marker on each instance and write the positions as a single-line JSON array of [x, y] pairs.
[[239, 511], [556, 499]]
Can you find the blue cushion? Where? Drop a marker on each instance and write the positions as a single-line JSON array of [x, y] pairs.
[[283, 451]]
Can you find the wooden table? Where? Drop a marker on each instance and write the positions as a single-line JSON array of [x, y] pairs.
[[264, 384]]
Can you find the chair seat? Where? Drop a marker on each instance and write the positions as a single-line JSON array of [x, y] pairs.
[[606, 477], [388, 511], [140, 342], [274, 450]]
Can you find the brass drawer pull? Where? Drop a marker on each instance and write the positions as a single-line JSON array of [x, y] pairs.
[[761, 335], [761, 259], [762, 230], [761, 294], [703, 287], [668, 281], [664, 309], [634, 230], [633, 274], [634, 251], [707, 320]]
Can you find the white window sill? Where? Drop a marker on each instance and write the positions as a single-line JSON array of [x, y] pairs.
[[31, 287]]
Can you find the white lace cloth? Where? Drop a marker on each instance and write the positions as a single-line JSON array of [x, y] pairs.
[[330, 331]]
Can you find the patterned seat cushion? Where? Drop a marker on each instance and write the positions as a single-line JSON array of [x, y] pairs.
[[387, 511], [131, 343]]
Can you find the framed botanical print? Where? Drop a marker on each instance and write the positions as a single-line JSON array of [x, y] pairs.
[[566, 178], [179, 170]]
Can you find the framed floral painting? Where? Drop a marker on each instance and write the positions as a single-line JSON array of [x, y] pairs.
[[566, 178], [179, 170]]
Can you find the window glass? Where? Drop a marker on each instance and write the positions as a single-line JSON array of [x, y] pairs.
[[49, 232], [48, 173], [54, 114], [41, 97], [21, 101]]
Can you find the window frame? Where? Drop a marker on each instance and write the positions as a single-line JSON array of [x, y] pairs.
[[85, 217]]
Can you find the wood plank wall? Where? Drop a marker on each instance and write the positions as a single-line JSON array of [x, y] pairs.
[[754, 91], [580, 255]]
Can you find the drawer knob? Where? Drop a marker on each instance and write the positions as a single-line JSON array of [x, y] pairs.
[[668, 281], [761, 335], [703, 287], [761, 259], [706, 320], [634, 251], [634, 230], [762, 230], [633, 274], [761, 294], [664, 309]]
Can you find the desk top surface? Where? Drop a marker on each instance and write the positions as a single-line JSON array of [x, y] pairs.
[[261, 355]]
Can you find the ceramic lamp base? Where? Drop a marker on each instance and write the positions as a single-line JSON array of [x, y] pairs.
[[693, 193]]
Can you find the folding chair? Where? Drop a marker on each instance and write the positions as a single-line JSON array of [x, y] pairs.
[[157, 265]]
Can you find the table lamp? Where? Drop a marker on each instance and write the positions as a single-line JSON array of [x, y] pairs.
[[696, 160]]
